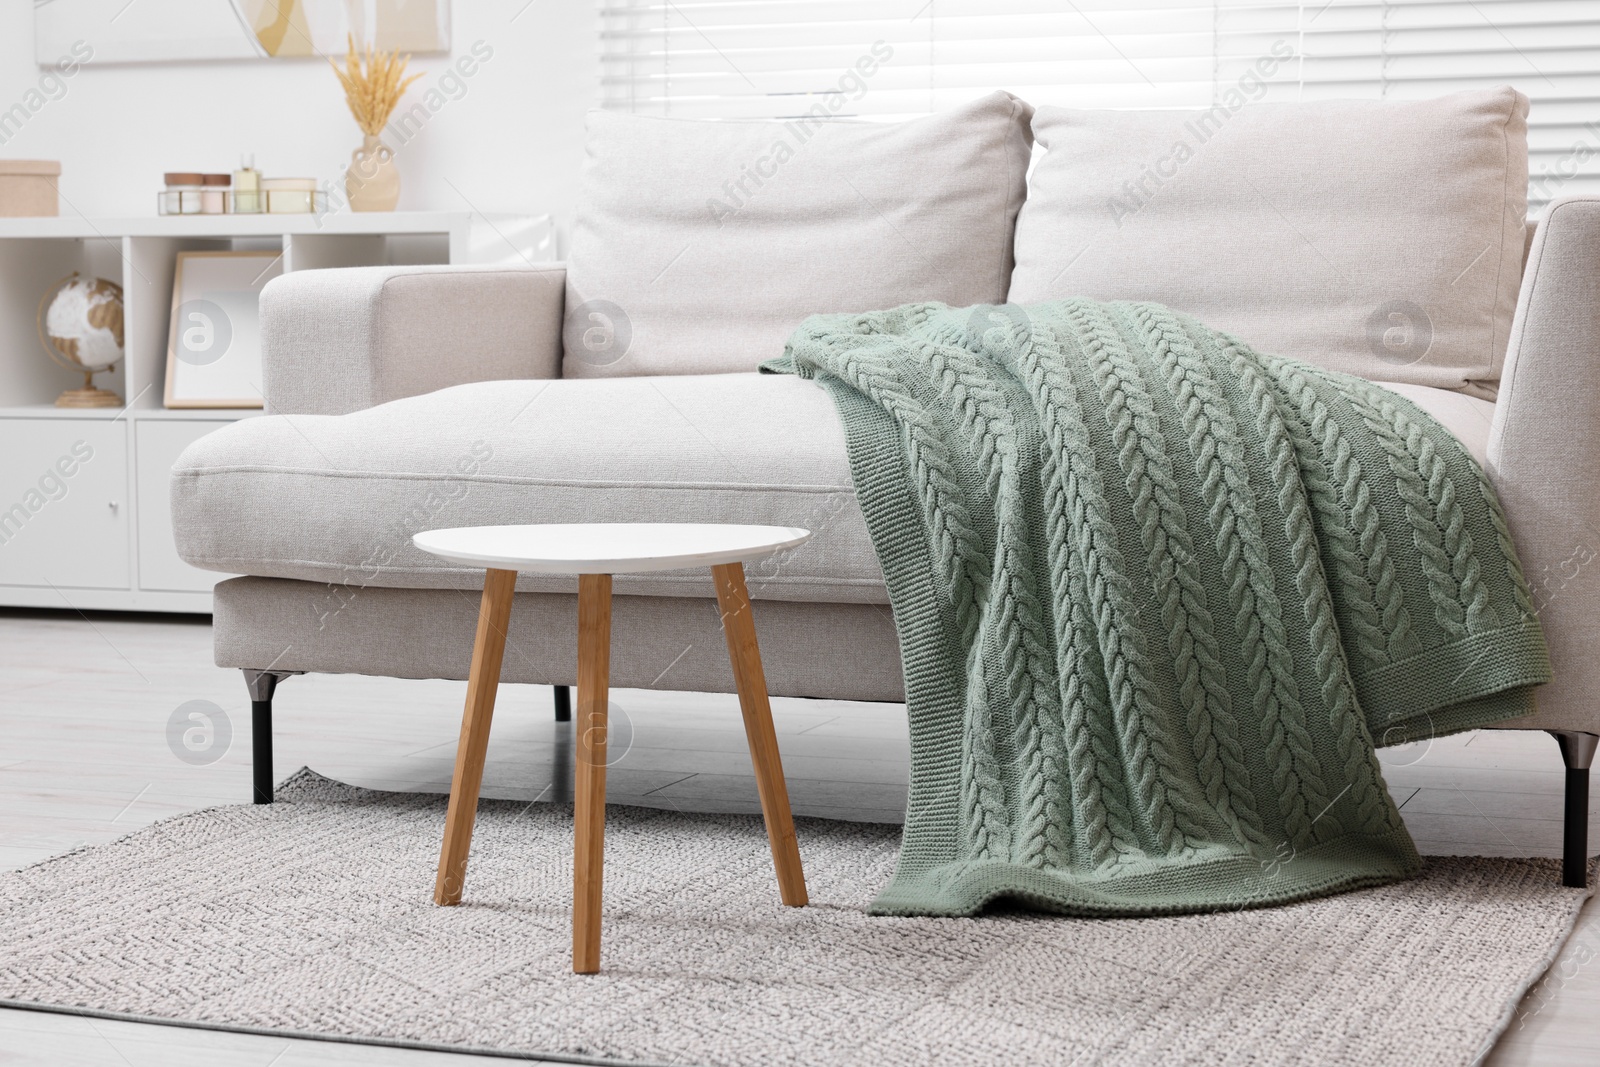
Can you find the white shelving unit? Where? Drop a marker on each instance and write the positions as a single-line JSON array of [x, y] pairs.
[[84, 515]]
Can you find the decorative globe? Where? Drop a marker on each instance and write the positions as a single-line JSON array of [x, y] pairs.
[[80, 324]]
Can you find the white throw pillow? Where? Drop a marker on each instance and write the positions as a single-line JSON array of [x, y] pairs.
[[1383, 239], [700, 246]]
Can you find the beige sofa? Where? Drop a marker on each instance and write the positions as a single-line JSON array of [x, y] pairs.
[[621, 387]]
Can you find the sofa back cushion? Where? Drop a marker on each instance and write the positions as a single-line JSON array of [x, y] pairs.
[[699, 246], [1383, 239]]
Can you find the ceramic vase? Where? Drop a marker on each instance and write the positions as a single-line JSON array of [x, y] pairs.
[[373, 181]]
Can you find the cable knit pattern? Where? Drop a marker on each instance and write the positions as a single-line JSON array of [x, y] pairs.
[[1158, 594], [1090, 530], [1215, 436], [1439, 528], [1104, 824], [1164, 531], [1338, 695], [1348, 522]]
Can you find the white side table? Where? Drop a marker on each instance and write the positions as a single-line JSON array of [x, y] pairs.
[[594, 552]]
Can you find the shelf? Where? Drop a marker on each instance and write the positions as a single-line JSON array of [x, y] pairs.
[[222, 226], [191, 414], [112, 531], [138, 414], [50, 411]]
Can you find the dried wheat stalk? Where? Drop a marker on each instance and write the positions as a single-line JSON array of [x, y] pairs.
[[373, 88]]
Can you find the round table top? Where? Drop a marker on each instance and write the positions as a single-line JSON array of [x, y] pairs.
[[608, 547]]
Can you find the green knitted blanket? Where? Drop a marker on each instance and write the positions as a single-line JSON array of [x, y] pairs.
[[1157, 595]]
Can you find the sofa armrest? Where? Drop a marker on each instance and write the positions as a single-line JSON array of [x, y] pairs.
[[1544, 453], [341, 340]]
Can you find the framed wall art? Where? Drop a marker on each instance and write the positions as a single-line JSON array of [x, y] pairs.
[[153, 31], [214, 335]]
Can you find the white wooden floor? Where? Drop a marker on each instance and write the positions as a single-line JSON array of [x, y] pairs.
[[84, 758]]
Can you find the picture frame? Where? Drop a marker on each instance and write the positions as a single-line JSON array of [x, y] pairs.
[[214, 332], [72, 32]]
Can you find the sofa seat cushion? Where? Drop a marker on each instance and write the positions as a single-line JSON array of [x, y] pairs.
[[336, 498], [1467, 417]]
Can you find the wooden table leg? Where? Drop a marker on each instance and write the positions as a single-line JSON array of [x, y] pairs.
[[488, 652], [739, 628], [589, 793]]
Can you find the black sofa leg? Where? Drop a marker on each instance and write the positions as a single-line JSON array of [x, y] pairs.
[[262, 684], [563, 703], [1577, 752]]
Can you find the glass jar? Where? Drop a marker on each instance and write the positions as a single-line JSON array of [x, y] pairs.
[[214, 193], [289, 196], [184, 193]]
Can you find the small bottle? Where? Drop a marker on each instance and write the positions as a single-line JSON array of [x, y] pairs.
[[247, 188]]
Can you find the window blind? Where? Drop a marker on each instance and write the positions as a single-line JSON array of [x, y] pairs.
[[775, 58], [1405, 49], [903, 58]]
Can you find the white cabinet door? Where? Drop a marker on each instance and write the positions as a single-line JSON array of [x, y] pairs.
[[64, 503], [159, 444]]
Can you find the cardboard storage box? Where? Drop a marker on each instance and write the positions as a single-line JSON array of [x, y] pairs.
[[28, 187]]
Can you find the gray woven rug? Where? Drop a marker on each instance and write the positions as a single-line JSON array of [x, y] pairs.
[[314, 917]]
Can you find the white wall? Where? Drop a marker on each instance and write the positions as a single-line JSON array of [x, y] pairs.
[[511, 141]]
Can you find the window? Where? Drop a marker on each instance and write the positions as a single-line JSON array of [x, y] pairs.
[[902, 58]]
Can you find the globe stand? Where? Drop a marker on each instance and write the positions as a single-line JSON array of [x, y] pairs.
[[65, 350], [88, 396]]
